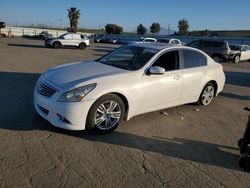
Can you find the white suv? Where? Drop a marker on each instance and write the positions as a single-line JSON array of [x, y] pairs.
[[68, 39]]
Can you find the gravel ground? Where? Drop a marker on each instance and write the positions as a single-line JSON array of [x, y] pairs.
[[185, 146]]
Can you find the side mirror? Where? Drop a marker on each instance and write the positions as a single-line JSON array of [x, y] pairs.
[[156, 70]]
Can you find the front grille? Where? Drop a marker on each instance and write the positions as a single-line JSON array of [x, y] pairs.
[[45, 89]]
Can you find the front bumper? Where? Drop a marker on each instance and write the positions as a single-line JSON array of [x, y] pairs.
[[65, 115]]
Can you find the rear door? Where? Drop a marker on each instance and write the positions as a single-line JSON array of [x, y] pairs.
[[194, 65]]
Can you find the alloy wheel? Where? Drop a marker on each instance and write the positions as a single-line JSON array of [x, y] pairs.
[[207, 95], [107, 115]]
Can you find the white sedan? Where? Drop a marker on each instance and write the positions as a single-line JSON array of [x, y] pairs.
[[239, 52], [132, 80]]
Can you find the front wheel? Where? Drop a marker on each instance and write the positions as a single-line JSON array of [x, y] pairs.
[[207, 94], [236, 59], [57, 44], [106, 114]]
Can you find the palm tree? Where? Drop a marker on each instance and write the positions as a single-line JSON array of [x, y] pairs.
[[73, 15]]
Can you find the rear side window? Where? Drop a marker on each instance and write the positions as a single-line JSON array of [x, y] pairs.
[[193, 59]]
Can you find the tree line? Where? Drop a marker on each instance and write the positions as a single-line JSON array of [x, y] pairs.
[[183, 25]]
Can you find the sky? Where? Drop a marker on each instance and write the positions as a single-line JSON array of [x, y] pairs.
[[201, 14]]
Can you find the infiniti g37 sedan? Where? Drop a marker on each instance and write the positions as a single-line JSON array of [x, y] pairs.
[[131, 80]]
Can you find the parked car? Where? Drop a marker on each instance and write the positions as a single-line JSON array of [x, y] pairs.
[[45, 35], [239, 53], [217, 49], [132, 80], [68, 39], [169, 41], [149, 40], [144, 40], [99, 39], [114, 41]]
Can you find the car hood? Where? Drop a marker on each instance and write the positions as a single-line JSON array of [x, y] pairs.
[[69, 75]]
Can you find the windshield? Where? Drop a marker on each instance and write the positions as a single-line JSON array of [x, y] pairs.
[[129, 57], [235, 47], [61, 36]]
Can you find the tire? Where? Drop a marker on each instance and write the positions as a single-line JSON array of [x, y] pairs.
[[57, 44], [100, 118], [236, 59], [239, 142], [244, 162], [217, 58], [82, 46], [207, 94]]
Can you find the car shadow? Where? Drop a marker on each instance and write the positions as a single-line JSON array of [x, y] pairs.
[[28, 45], [42, 46], [100, 50], [17, 114], [180, 148], [234, 96], [238, 78]]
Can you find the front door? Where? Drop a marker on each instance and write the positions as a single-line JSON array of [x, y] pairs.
[[161, 91]]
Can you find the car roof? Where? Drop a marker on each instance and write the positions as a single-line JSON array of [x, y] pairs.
[[159, 46]]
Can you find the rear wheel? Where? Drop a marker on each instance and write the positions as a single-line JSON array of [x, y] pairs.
[[207, 94], [106, 114], [82, 46], [57, 44]]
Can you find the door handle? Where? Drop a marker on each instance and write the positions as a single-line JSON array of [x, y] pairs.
[[177, 77]]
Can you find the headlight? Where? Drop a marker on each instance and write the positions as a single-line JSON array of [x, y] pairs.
[[76, 95]]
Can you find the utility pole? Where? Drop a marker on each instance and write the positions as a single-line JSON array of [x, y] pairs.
[[168, 29]]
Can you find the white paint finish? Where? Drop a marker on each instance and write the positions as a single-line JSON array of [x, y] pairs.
[[143, 92]]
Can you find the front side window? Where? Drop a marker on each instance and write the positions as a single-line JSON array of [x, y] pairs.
[[169, 61], [193, 59], [129, 57]]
